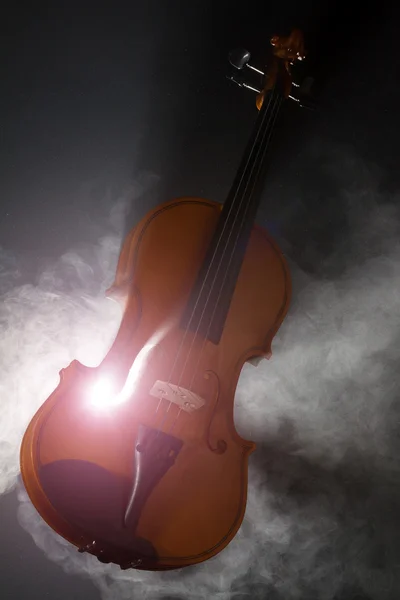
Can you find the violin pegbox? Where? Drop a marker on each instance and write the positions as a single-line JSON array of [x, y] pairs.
[[286, 51]]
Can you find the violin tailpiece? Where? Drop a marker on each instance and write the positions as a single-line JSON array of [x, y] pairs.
[[155, 453]]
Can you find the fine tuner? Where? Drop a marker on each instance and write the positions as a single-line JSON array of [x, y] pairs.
[[240, 57]]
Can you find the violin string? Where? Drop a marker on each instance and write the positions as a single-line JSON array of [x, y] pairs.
[[241, 194], [263, 149], [217, 246], [269, 127], [261, 132], [278, 104]]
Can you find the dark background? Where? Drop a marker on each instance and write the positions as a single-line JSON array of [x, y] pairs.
[[108, 110]]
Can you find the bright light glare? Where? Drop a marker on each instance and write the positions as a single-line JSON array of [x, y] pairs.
[[103, 395]]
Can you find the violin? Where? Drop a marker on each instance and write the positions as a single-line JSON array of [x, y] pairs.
[[137, 461]]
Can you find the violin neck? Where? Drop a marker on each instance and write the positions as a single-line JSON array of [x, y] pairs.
[[212, 293]]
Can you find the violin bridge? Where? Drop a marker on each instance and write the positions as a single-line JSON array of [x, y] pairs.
[[185, 399]]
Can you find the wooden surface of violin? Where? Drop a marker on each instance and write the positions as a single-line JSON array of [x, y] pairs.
[[138, 461]]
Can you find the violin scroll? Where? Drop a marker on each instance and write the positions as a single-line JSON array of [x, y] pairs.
[[290, 48]]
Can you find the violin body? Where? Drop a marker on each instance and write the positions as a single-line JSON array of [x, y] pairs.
[[86, 469], [138, 461]]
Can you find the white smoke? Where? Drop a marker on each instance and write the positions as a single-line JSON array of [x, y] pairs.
[[322, 518]]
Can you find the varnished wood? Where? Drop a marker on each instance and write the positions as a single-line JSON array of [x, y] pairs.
[[81, 464], [199, 505]]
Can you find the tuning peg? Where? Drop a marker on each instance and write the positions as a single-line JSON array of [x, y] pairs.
[[305, 93], [303, 104], [239, 58], [239, 81], [308, 105]]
